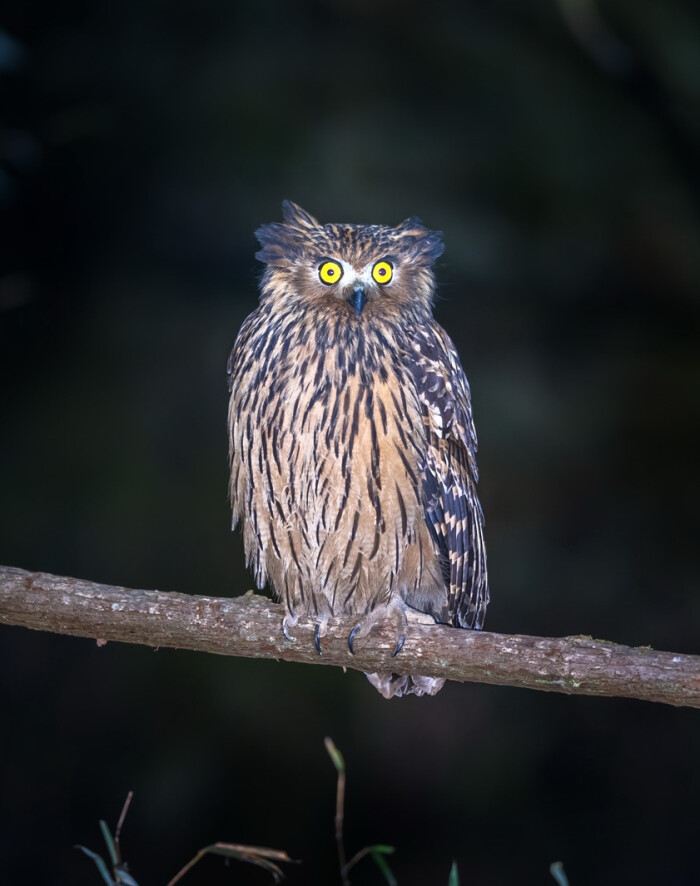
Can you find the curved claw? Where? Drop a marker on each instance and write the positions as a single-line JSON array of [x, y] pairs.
[[286, 633], [399, 646], [317, 639], [351, 639]]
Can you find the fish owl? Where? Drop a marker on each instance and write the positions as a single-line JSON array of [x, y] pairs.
[[351, 439]]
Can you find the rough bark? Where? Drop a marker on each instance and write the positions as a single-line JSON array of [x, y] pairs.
[[249, 626]]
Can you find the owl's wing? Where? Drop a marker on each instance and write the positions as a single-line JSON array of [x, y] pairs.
[[239, 369], [233, 367], [450, 474]]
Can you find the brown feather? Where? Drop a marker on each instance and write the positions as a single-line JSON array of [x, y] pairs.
[[352, 445]]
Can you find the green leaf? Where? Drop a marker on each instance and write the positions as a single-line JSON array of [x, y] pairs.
[[556, 869], [101, 866], [124, 878], [378, 853], [454, 875], [109, 840], [334, 754]]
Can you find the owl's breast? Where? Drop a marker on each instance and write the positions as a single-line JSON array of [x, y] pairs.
[[326, 473]]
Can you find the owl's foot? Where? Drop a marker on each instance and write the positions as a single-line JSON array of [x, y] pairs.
[[359, 627], [289, 621], [399, 645], [320, 630], [394, 613], [351, 638], [398, 613]]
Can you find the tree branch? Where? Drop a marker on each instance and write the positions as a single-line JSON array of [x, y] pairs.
[[250, 626]]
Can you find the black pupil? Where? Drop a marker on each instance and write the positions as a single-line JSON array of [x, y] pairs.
[[382, 271], [330, 272]]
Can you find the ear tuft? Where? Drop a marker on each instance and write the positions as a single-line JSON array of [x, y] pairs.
[[283, 242], [423, 246], [296, 216], [275, 247]]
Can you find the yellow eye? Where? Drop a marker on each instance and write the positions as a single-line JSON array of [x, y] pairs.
[[382, 272], [330, 272]]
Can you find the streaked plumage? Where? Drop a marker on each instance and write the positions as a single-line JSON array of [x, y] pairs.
[[352, 443]]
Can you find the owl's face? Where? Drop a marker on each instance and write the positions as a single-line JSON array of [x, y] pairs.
[[352, 271]]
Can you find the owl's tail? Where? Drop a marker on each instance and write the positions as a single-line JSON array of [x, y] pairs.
[[396, 685]]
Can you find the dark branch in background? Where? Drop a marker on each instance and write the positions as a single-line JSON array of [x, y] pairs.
[[250, 626]]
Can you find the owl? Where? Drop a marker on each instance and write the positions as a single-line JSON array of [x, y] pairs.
[[351, 439]]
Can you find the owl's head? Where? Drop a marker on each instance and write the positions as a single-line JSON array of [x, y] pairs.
[[355, 270]]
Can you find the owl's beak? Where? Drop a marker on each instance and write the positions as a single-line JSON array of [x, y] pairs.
[[358, 298]]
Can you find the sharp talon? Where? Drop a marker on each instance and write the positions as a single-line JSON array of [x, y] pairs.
[[287, 634], [399, 646], [351, 639], [317, 639]]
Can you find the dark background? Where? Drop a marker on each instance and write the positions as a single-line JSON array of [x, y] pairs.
[[557, 145]]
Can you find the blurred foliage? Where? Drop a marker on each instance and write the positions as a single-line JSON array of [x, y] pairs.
[[262, 857], [556, 869], [556, 143]]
